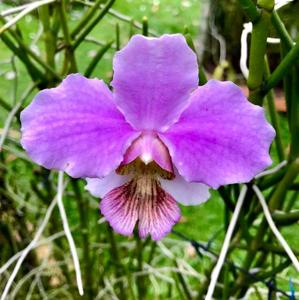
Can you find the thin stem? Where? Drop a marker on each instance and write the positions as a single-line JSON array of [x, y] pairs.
[[282, 69], [274, 118], [250, 10], [68, 233], [83, 213], [31, 53], [88, 28], [145, 26], [117, 37], [116, 260], [281, 30], [201, 74], [257, 52], [86, 18], [225, 246], [23, 13], [69, 53], [274, 229], [92, 65]]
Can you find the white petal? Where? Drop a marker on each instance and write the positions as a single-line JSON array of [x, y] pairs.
[[186, 193], [99, 187]]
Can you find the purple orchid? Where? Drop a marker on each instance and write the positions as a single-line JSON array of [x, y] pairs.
[[158, 137]]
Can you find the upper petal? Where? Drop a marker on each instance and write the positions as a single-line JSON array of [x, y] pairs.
[[153, 78], [76, 128], [221, 138]]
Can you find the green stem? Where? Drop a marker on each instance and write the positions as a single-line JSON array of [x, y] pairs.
[[88, 28], [97, 59], [83, 213], [282, 69], [140, 280], [69, 52], [24, 48], [117, 37], [33, 71], [274, 118], [116, 260], [145, 26], [86, 18], [281, 30], [257, 53], [201, 74], [280, 191], [49, 39], [183, 283], [250, 10], [282, 218], [294, 113], [274, 203]]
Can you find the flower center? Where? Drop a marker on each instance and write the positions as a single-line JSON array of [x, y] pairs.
[[141, 200], [149, 148]]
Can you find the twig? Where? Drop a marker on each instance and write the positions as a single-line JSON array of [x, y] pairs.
[[274, 229], [68, 233], [231, 227], [23, 13], [273, 170]]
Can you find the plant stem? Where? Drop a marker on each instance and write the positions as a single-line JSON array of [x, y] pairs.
[[281, 30], [202, 79], [83, 209], [116, 259], [145, 26], [274, 118], [257, 53], [97, 59], [282, 69], [86, 18], [69, 52], [88, 28], [250, 10]]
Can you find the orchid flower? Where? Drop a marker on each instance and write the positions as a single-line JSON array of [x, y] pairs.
[[156, 140]]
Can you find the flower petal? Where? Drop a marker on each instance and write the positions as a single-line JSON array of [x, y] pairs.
[[99, 187], [221, 138], [120, 209], [186, 193], [141, 200], [157, 215], [153, 78], [149, 148], [76, 128]]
